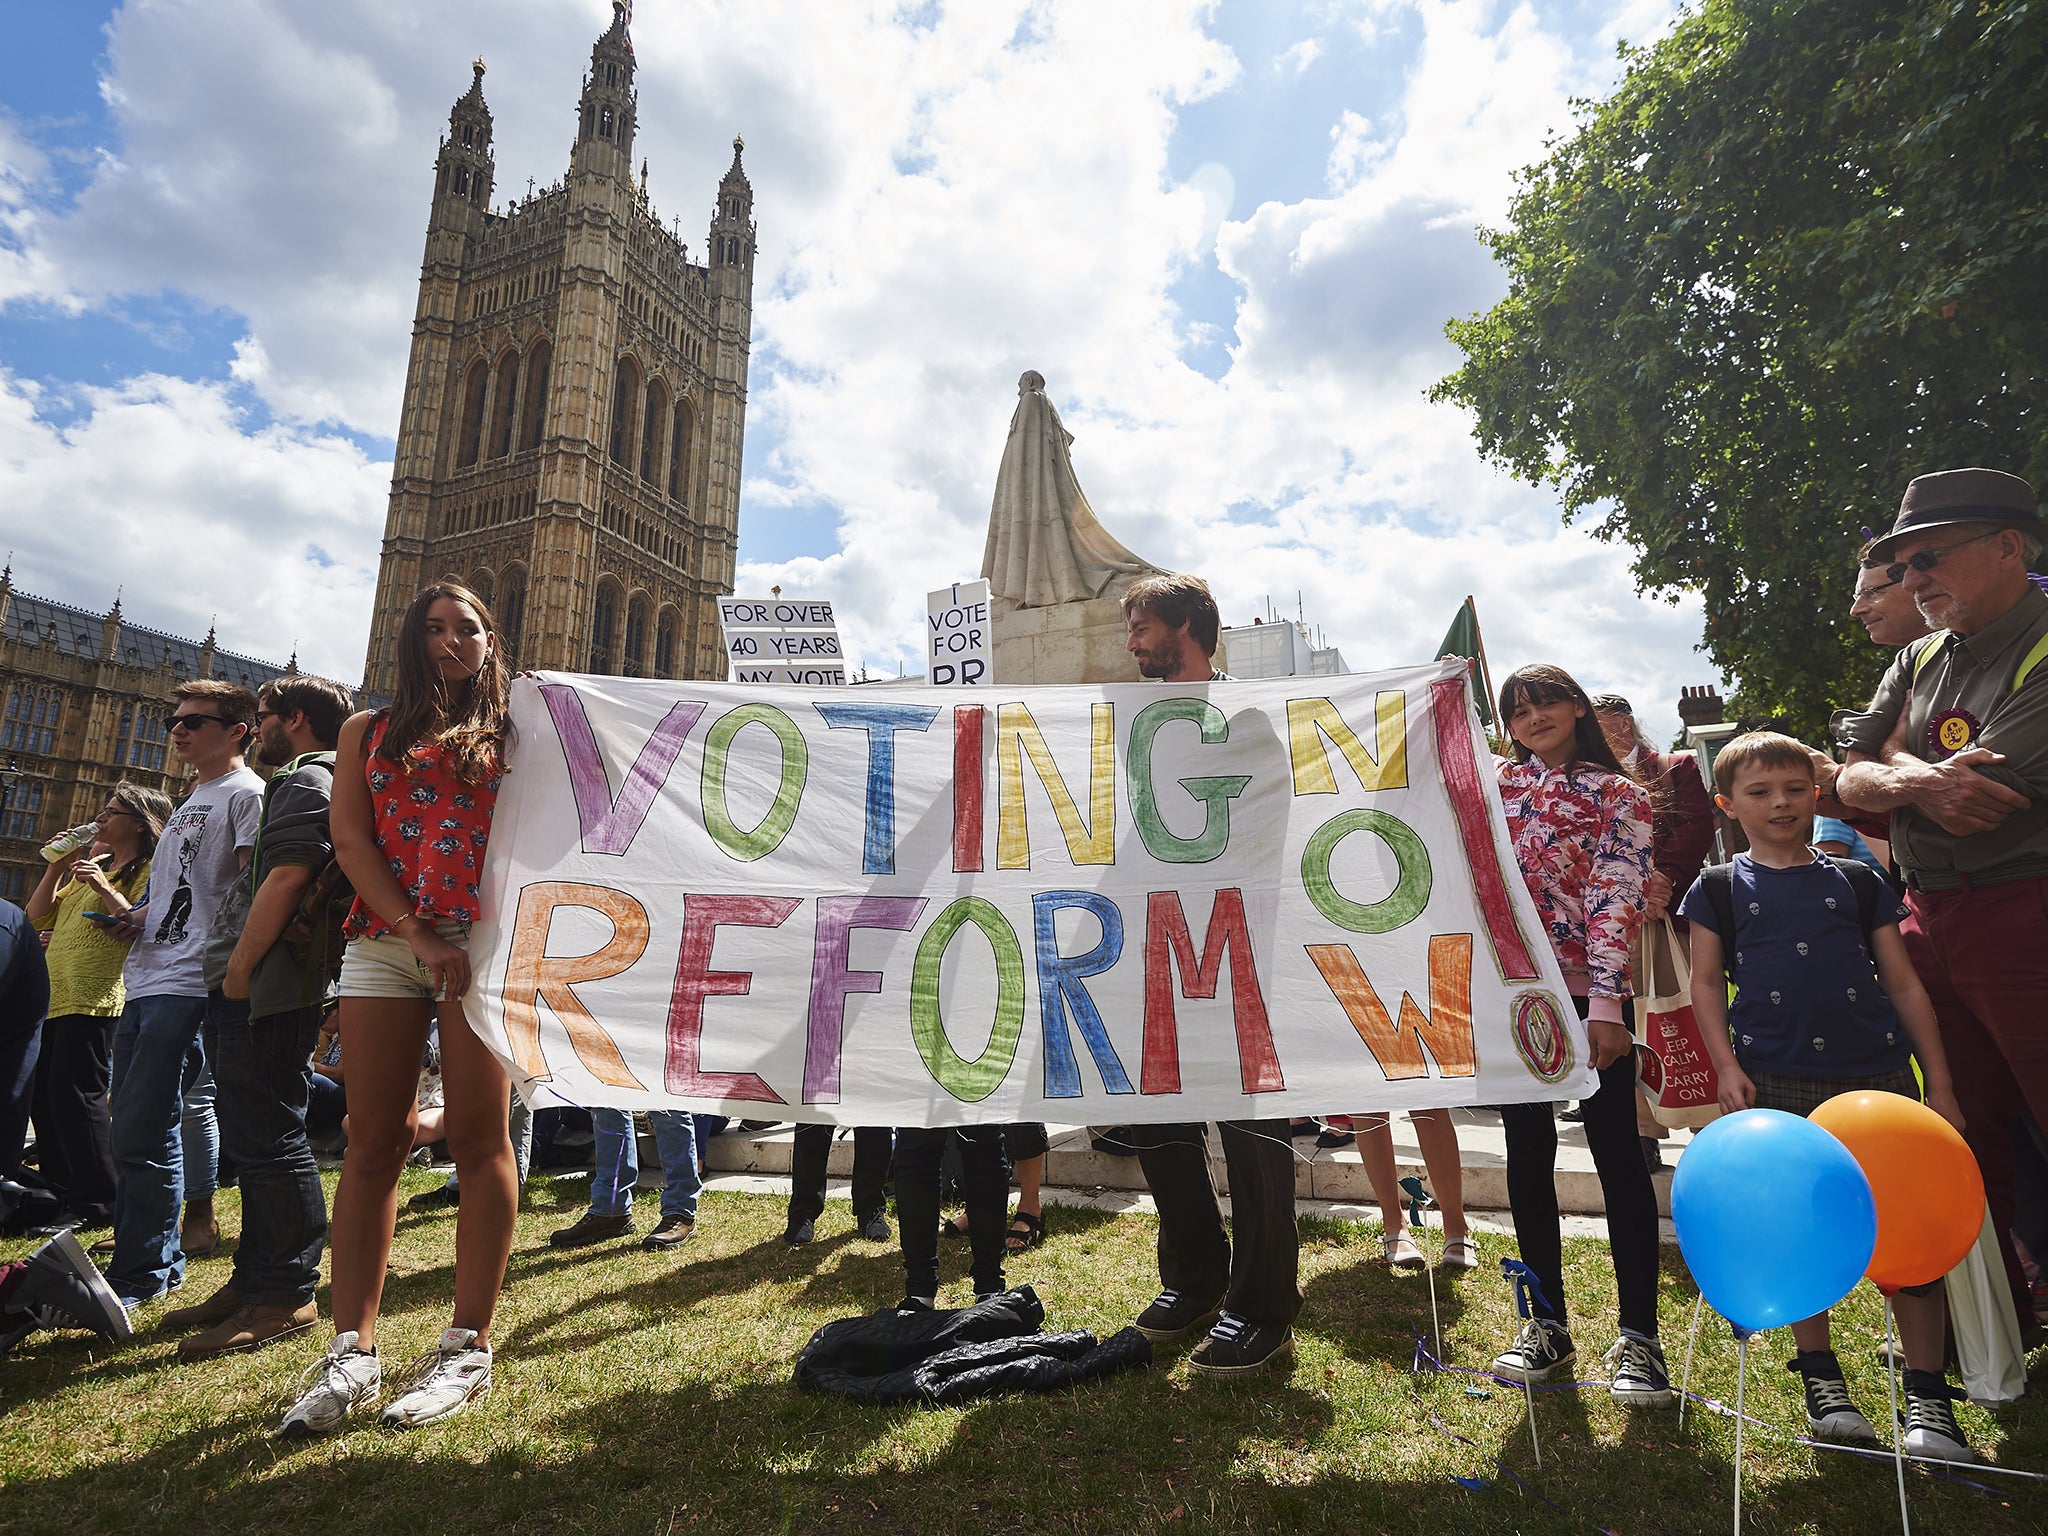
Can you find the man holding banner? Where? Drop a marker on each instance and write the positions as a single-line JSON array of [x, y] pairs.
[[1248, 1297]]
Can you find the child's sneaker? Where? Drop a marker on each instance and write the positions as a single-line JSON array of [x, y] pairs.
[[1636, 1374], [1542, 1349], [1931, 1428], [1829, 1413], [442, 1382], [331, 1388]]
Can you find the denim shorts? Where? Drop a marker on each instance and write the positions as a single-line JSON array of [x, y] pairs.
[[385, 966]]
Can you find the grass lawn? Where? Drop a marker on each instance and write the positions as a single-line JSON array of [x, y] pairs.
[[642, 1392]]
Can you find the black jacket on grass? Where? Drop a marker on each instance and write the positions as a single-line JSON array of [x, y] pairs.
[[946, 1357]]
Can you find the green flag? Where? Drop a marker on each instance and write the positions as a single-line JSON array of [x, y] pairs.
[[1462, 639]]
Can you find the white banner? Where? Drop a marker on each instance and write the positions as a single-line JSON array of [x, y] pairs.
[[958, 646], [1134, 902]]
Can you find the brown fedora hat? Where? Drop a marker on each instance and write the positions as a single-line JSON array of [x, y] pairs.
[[1962, 496]]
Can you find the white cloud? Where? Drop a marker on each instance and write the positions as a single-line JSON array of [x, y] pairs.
[[1296, 60], [944, 201], [161, 489]]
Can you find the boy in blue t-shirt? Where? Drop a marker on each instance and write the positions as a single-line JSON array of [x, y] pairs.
[[1826, 1003]]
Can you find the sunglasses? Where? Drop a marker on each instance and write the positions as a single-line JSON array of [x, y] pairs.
[[194, 721], [1927, 559]]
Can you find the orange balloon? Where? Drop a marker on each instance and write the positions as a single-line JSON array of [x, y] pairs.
[[1929, 1190]]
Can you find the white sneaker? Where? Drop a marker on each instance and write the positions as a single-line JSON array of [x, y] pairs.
[[331, 1388], [442, 1382]]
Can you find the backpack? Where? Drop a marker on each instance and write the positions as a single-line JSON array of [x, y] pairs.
[[1718, 880], [314, 927]]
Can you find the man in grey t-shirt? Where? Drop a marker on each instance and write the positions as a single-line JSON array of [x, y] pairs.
[[204, 847]]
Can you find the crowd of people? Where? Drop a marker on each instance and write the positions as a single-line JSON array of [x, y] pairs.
[[210, 985]]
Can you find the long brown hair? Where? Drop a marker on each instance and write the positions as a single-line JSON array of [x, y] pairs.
[[1542, 684], [471, 725], [151, 807]]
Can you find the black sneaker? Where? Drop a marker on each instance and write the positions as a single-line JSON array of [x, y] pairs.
[[1636, 1374], [62, 1288], [917, 1304], [1542, 1349], [1175, 1314], [592, 1228], [799, 1233], [1931, 1428], [1237, 1346], [1830, 1415], [670, 1232], [440, 1198], [873, 1227]]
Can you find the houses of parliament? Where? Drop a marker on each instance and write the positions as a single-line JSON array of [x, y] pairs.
[[568, 445]]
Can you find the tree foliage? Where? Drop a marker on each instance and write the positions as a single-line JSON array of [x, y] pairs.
[[1798, 257]]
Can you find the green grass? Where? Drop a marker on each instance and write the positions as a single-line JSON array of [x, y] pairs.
[[641, 1392]]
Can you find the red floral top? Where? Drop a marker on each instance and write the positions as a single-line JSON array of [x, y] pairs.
[[431, 828], [1582, 837]]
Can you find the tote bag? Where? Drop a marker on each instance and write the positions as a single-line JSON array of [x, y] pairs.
[[1987, 1333], [1672, 1066]]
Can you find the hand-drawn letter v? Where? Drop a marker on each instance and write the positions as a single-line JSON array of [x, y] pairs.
[[609, 825]]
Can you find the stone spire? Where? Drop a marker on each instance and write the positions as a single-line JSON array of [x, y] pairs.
[[464, 170], [605, 117], [732, 222]]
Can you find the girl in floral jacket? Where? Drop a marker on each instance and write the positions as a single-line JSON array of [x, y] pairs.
[[1581, 831]]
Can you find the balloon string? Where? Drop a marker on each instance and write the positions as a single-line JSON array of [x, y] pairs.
[[1741, 1380], [1891, 1381], [1691, 1339]]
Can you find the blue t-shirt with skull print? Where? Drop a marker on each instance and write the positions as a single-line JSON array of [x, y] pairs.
[[1807, 999]]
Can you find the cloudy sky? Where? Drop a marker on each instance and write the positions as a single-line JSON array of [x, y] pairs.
[[1228, 235]]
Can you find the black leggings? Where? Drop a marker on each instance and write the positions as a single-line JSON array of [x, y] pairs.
[[73, 1126], [984, 1181], [1630, 1197]]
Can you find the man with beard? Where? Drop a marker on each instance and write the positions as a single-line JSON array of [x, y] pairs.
[[1245, 1296]]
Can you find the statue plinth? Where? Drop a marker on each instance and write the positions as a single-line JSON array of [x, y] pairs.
[[1079, 642]]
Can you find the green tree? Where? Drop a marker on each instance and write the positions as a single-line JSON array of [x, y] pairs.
[[1798, 257]]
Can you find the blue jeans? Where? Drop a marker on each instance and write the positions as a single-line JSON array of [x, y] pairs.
[[617, 1162], [199, 1128], [262, 1067], [156, 1048]]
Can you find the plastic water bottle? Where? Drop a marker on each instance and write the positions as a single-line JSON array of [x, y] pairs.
[[72, 841]]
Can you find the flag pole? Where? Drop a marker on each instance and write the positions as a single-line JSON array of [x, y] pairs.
[[1485, 671]]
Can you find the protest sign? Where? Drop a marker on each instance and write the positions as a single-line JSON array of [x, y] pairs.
[[1132, 902], [957, 643], [782, 640]]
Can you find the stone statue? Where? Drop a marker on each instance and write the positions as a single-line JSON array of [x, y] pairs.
[[1045, 545]]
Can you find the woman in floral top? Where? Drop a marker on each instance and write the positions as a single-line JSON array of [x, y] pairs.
[[414, 788], [1581, 831]]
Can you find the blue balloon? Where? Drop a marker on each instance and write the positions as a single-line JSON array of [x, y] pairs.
[[1775, 1218]]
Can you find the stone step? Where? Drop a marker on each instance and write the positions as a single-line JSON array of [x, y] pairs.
[[1335, 1175]]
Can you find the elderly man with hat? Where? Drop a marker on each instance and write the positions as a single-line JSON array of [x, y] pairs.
[[1955, 747]]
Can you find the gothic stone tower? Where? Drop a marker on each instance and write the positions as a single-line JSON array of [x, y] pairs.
[[570, 442]]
